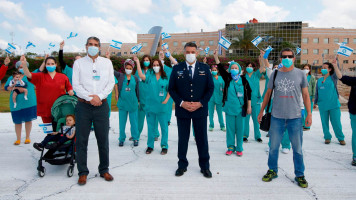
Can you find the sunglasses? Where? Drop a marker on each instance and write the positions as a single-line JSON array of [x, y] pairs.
[[287, 56]]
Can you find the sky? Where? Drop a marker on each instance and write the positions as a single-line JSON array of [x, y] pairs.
[[51, 21]]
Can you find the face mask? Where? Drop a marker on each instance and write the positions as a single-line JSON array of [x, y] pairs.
[[128, 71], [156, 69], [190, 57], [146, 63], [234, 72], [306, 71], [287, 62], [93, 51], [51, 68], [249, 69], [214, 73], [21, 71], [324, 71]]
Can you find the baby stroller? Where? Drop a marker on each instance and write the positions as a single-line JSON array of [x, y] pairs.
[[64, 153]]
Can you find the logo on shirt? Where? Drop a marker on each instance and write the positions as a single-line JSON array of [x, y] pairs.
[[285, 86]]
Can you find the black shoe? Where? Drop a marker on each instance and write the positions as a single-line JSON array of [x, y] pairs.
[[135, 143], [259, 140], [169, 123], [301, 182], [267, 135], [206, 173], [306, 129], [164, 151], [121, 144], [180, 171], [353, 163], [52, 145], [38, 146], [156, 138], [149, 150], [130, 139], [245, 140]]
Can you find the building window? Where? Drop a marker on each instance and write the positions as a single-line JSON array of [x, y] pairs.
[[202, 43], [354, 62], [326, 51], [144, 44], [193, 42], [315, 62], [211, 42], [211, 52], [326, 40], [354, 40], [125, 53], [316, 51], [305, 51], [183, 43], [305, 40], [336, 40], [346, 40], [316, 40], [346, 62], [175, 44], [202, 53], [304, 61], [112, 53]]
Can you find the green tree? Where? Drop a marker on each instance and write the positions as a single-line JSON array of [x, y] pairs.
[[243, 41]]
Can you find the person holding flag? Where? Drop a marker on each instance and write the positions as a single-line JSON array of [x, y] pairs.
[[66, 69], [327, 99], [236, 104], [4, 67]]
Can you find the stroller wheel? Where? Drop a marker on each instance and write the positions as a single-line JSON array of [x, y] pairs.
[[42, 172], [70, 171]]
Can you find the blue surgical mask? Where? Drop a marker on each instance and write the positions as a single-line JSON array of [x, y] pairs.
[[51, 68], [214, 73], [287, 62], [93, 50], [21, 71], [235, 72], [146, 63], [324, 71], [249, 69]]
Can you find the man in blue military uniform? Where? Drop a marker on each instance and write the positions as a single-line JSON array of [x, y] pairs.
[[191, 87]]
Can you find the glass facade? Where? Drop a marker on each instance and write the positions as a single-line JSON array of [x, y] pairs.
[[278, 35]]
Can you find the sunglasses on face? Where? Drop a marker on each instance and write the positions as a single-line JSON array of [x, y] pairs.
[[287, 56]]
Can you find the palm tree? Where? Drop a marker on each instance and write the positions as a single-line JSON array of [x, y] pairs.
[[243, 41]]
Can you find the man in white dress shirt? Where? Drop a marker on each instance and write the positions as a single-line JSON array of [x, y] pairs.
[[93, 81]]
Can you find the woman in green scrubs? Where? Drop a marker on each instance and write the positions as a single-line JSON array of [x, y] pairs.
[[216, 100]]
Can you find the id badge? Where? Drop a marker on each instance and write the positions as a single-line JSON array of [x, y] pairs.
[[161, 93], [322, 87], [96, 78], [239, 94], [127, 89]]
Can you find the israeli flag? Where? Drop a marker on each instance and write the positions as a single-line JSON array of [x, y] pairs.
[[207, 50], [165, 45], [267, 52], [298, 50], [257, 41], [341, 44], [224, 43], [29, 44], [168, 54], [165, 35], [136, 48], [345, 51], [72, 35], [10, 49], [52, 45], [116, 44]]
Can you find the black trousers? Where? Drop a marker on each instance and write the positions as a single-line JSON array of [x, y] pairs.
[[85, 115], [201, 137]]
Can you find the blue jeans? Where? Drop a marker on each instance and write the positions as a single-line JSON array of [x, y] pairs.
[[295, 131]]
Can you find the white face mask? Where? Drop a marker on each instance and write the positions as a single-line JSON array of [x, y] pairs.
[[190, 58], [156, 69], [128, 71], [306, 71]]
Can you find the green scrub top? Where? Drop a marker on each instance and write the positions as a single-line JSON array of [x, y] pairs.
[[235, 98], [168, 70], [327, 95], [158, 93], [219, 85], [68, 71], [127, 98], [20, 100], [144, 89], [254, 82]]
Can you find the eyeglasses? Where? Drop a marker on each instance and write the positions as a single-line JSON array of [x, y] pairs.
[[287, 56]]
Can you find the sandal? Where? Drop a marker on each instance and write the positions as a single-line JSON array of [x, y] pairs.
[[27, 141], [18, 142]]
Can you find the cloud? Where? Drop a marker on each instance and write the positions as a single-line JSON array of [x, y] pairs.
[[3, 44], [214, 14], [59, 17], [112, 7], [6, 25], [11, 10], [42, 34], [336, 14]]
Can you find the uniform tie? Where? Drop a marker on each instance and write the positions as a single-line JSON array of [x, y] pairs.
[[190, 72]]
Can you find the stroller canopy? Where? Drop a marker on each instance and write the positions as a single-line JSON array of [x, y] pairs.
[[63, 106]]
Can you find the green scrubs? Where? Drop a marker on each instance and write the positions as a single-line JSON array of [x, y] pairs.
[[353, 127], [311, 90], [127, 105], [216, 100]]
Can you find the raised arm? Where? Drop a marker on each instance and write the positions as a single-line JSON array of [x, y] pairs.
[[139, 70], [262, 62], [171, 58], [25, 68], [336, 67], [4, 68], [60, 56], [43, 65], [223, 73]]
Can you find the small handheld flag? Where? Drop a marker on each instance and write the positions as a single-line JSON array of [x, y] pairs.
[[71, 35], [29, 44], [207, 50], [345, 51], [257, 41], [51, 46], [280, 65], [224, 43], [10, 49], [116, 44], [298, 50], [168, 54], [267, 52], [165, 45], [136, 48], [165, 35]]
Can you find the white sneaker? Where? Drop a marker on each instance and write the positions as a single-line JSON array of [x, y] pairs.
[[15, 105], [267, 149], [285, 150], [26, 98]]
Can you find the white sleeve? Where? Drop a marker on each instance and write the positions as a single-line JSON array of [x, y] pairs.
[[11, 83], [22, 83], [110, 84], [77, 83]]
